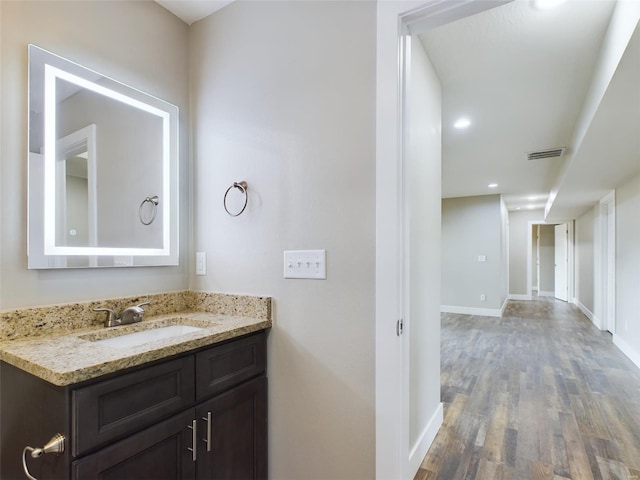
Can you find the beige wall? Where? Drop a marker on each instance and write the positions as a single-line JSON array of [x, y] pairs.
[[627, 335], [138, 43], [584, 258], [424, 173], [293, 115], [472, 226]]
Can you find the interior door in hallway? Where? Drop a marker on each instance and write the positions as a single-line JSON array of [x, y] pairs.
[[562, 262]]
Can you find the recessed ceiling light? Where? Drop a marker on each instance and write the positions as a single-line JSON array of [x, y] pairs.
[[493, 185], [547, 4], [531, 207], [531, 198], [462, 123]]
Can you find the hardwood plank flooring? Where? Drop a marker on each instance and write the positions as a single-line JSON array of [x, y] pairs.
[[537, 394]]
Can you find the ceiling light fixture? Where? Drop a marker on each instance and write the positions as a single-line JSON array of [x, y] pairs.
[[462, 123], [547, 4], [493, 185]]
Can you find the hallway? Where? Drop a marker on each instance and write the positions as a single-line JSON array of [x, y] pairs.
[[537, 394]]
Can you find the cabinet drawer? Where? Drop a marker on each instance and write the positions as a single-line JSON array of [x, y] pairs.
[[222, 367], [113, 408]]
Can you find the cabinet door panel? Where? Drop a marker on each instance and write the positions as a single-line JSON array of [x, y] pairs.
[[157, 453], [238, 434], [221, 367], [122, 405]]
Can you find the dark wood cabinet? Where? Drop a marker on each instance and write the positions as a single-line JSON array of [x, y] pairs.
[[201, 415], [159, 452], [234, 431], [114, 408]]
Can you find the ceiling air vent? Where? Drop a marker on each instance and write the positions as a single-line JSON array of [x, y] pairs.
[[547, 153]]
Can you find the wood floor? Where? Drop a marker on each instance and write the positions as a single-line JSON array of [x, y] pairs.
[[538, 394]]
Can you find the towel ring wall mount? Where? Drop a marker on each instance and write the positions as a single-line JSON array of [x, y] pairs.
[[242, 186], [153, 201]]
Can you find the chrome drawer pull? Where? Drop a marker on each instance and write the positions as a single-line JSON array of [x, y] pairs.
[[194, 439], [208, 439]]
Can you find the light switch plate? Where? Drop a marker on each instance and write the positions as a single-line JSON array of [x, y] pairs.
[[482, 258], [201, 263], [305, 264]]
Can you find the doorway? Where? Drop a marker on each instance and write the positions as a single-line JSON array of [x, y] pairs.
[[396, 453], [550, 260]]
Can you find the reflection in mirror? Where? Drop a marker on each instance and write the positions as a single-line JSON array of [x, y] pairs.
[[97, 150]]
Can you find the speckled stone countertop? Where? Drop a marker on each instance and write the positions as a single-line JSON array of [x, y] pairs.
[[72, 355]]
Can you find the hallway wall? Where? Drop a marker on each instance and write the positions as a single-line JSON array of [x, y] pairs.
[[584, 256], [627, 335], [424, 174], [473, 226]]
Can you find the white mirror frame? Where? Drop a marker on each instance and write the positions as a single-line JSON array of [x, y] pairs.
[[42, 249]]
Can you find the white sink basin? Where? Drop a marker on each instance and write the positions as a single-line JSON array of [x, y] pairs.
[[146, 336]]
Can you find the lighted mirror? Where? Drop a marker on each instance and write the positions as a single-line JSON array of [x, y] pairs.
[[103, 170]]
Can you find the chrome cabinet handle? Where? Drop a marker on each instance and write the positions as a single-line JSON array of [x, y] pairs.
[[194, 439], [208, 439]]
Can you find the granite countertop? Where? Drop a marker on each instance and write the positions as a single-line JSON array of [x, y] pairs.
[[74, 357]]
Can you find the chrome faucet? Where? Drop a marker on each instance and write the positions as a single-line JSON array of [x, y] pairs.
[[129, 315]]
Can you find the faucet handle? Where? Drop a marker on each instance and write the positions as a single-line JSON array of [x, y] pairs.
[[133, 313], [112, 318]]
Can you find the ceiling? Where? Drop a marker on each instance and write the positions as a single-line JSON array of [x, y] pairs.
[[520, 75], [190, 11]]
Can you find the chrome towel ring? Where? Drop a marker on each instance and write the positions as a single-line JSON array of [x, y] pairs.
[[242, 186], [153, 201]]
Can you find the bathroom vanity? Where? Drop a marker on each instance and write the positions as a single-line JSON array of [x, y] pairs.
[[191, 408]]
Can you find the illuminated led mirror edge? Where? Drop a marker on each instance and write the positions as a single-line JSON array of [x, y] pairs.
[[47, 254]]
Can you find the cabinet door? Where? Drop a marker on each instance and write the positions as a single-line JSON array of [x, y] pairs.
[[160, 452], [237, 433]]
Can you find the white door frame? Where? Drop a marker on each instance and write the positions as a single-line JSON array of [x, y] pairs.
[[570, 253], [604, 267], [396, 20]]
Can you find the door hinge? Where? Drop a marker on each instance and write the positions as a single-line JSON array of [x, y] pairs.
[[399, 327]]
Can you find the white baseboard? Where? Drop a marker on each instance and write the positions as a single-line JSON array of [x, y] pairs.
[[542, 293], [504, 306], [485, 312], [419, 450], [588, 313], [597, 322], [519, 296], [583, 309], [628, 350]]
